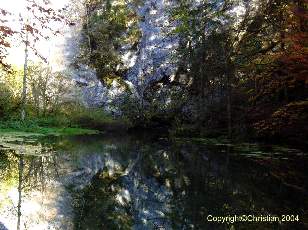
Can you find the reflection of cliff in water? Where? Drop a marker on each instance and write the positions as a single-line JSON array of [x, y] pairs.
[[129, 183], [144, 186]]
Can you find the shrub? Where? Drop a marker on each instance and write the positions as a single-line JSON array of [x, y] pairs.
[[7, 102]]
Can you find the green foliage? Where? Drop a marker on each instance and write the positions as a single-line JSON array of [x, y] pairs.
[[108, 25], [93, 118], [7, 103], [47, 112], [45, 91]]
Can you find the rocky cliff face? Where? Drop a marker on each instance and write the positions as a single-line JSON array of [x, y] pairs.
[[150, 62], [153, 58]]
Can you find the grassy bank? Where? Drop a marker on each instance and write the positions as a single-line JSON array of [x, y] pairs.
[[47, 131], [74, 122]]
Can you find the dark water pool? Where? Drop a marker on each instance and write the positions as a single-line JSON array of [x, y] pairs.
[[127, 182]]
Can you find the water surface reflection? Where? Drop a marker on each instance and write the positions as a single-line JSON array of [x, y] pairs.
[[99, 182]]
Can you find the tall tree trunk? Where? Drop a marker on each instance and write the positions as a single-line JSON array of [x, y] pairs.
[[24, 84]]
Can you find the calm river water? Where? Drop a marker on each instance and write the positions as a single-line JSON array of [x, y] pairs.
[[128, 182]]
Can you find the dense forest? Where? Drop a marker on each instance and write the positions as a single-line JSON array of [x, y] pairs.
[[153, 114]]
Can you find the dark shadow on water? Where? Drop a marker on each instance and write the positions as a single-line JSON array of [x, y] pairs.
[[146, 182]]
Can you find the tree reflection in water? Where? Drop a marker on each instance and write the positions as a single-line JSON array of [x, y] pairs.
[[126, 183], [29, 188]]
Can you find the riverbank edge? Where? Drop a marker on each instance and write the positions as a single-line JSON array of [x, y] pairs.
[[48, 131]]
